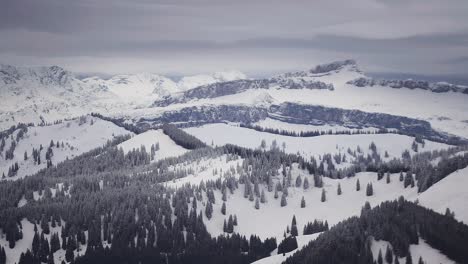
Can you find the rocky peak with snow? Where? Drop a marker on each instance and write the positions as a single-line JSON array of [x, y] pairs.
[[349, 65], [53, 75], [37, 94], [190, 82], [325, 69], [436, 87]]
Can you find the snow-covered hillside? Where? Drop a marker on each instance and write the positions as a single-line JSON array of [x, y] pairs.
[[394, 144], [37, 94], [73, 137], [445, 111], [208, 169], [302, 241], [298, 128], [450, 193], [13, 255], [167, 147], [189, 82], [335, 209], [422, 249]]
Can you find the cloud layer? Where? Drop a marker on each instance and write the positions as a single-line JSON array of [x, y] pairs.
[[258, 37]]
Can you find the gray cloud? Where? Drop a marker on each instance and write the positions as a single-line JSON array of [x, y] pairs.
[[188, 36]]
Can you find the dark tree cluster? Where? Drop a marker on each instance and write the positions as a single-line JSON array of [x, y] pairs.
[[315, 133], [182, 138], [315, 227], [398, 222]]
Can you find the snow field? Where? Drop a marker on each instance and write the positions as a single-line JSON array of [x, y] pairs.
[[302, 241], [205, 170], [450, 192], [280, 125], [25, 243], [271, 219], [77, 138], [394, 144], [167, 147], [422, 249]]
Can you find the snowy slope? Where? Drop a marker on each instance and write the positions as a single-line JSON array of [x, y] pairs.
[[78, 136], [422, 249], [167, 147], [302, 241], [140, 88], [25, 243], [189, 82], [48, 94], [449, 192], [280, 125], [221, 134], [445, 111], [335, 209], [205, 170]]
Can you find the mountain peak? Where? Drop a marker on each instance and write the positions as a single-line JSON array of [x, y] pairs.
[[189, 82], [335, 66], [45, 74]]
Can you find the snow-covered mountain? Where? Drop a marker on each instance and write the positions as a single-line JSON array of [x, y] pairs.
[[52, 93], [47, 94], [329, 85]]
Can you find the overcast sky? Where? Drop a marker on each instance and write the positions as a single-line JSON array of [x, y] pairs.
[[178, 37]]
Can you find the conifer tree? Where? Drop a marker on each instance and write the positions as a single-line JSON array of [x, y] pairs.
[[2, 255], [388, 255], [298, 181], [209, 210], [420, 261], [223, 208], [409, 259], [338, 191], [306, 183], [379, 257], [224, 198], [230, 224], [234, 220], [283, 201], [369, 190], [262, 197]]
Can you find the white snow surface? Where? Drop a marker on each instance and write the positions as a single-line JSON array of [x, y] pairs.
[[36, 94], [335, 209], [77, 138], [25, 243], [302, 241], [280, 125], [167, 147], [206, 169], [445, 111], [394, 144], [422, 249], [190, 82], [450, 192]]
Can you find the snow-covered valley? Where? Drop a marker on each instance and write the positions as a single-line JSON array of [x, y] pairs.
[[264, 170]]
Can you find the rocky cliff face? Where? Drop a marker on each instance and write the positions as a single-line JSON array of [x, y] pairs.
[[239, 86], [298, 114], [438, 87]]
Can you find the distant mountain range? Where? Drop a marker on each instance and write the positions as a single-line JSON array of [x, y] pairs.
[[47, 94]]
